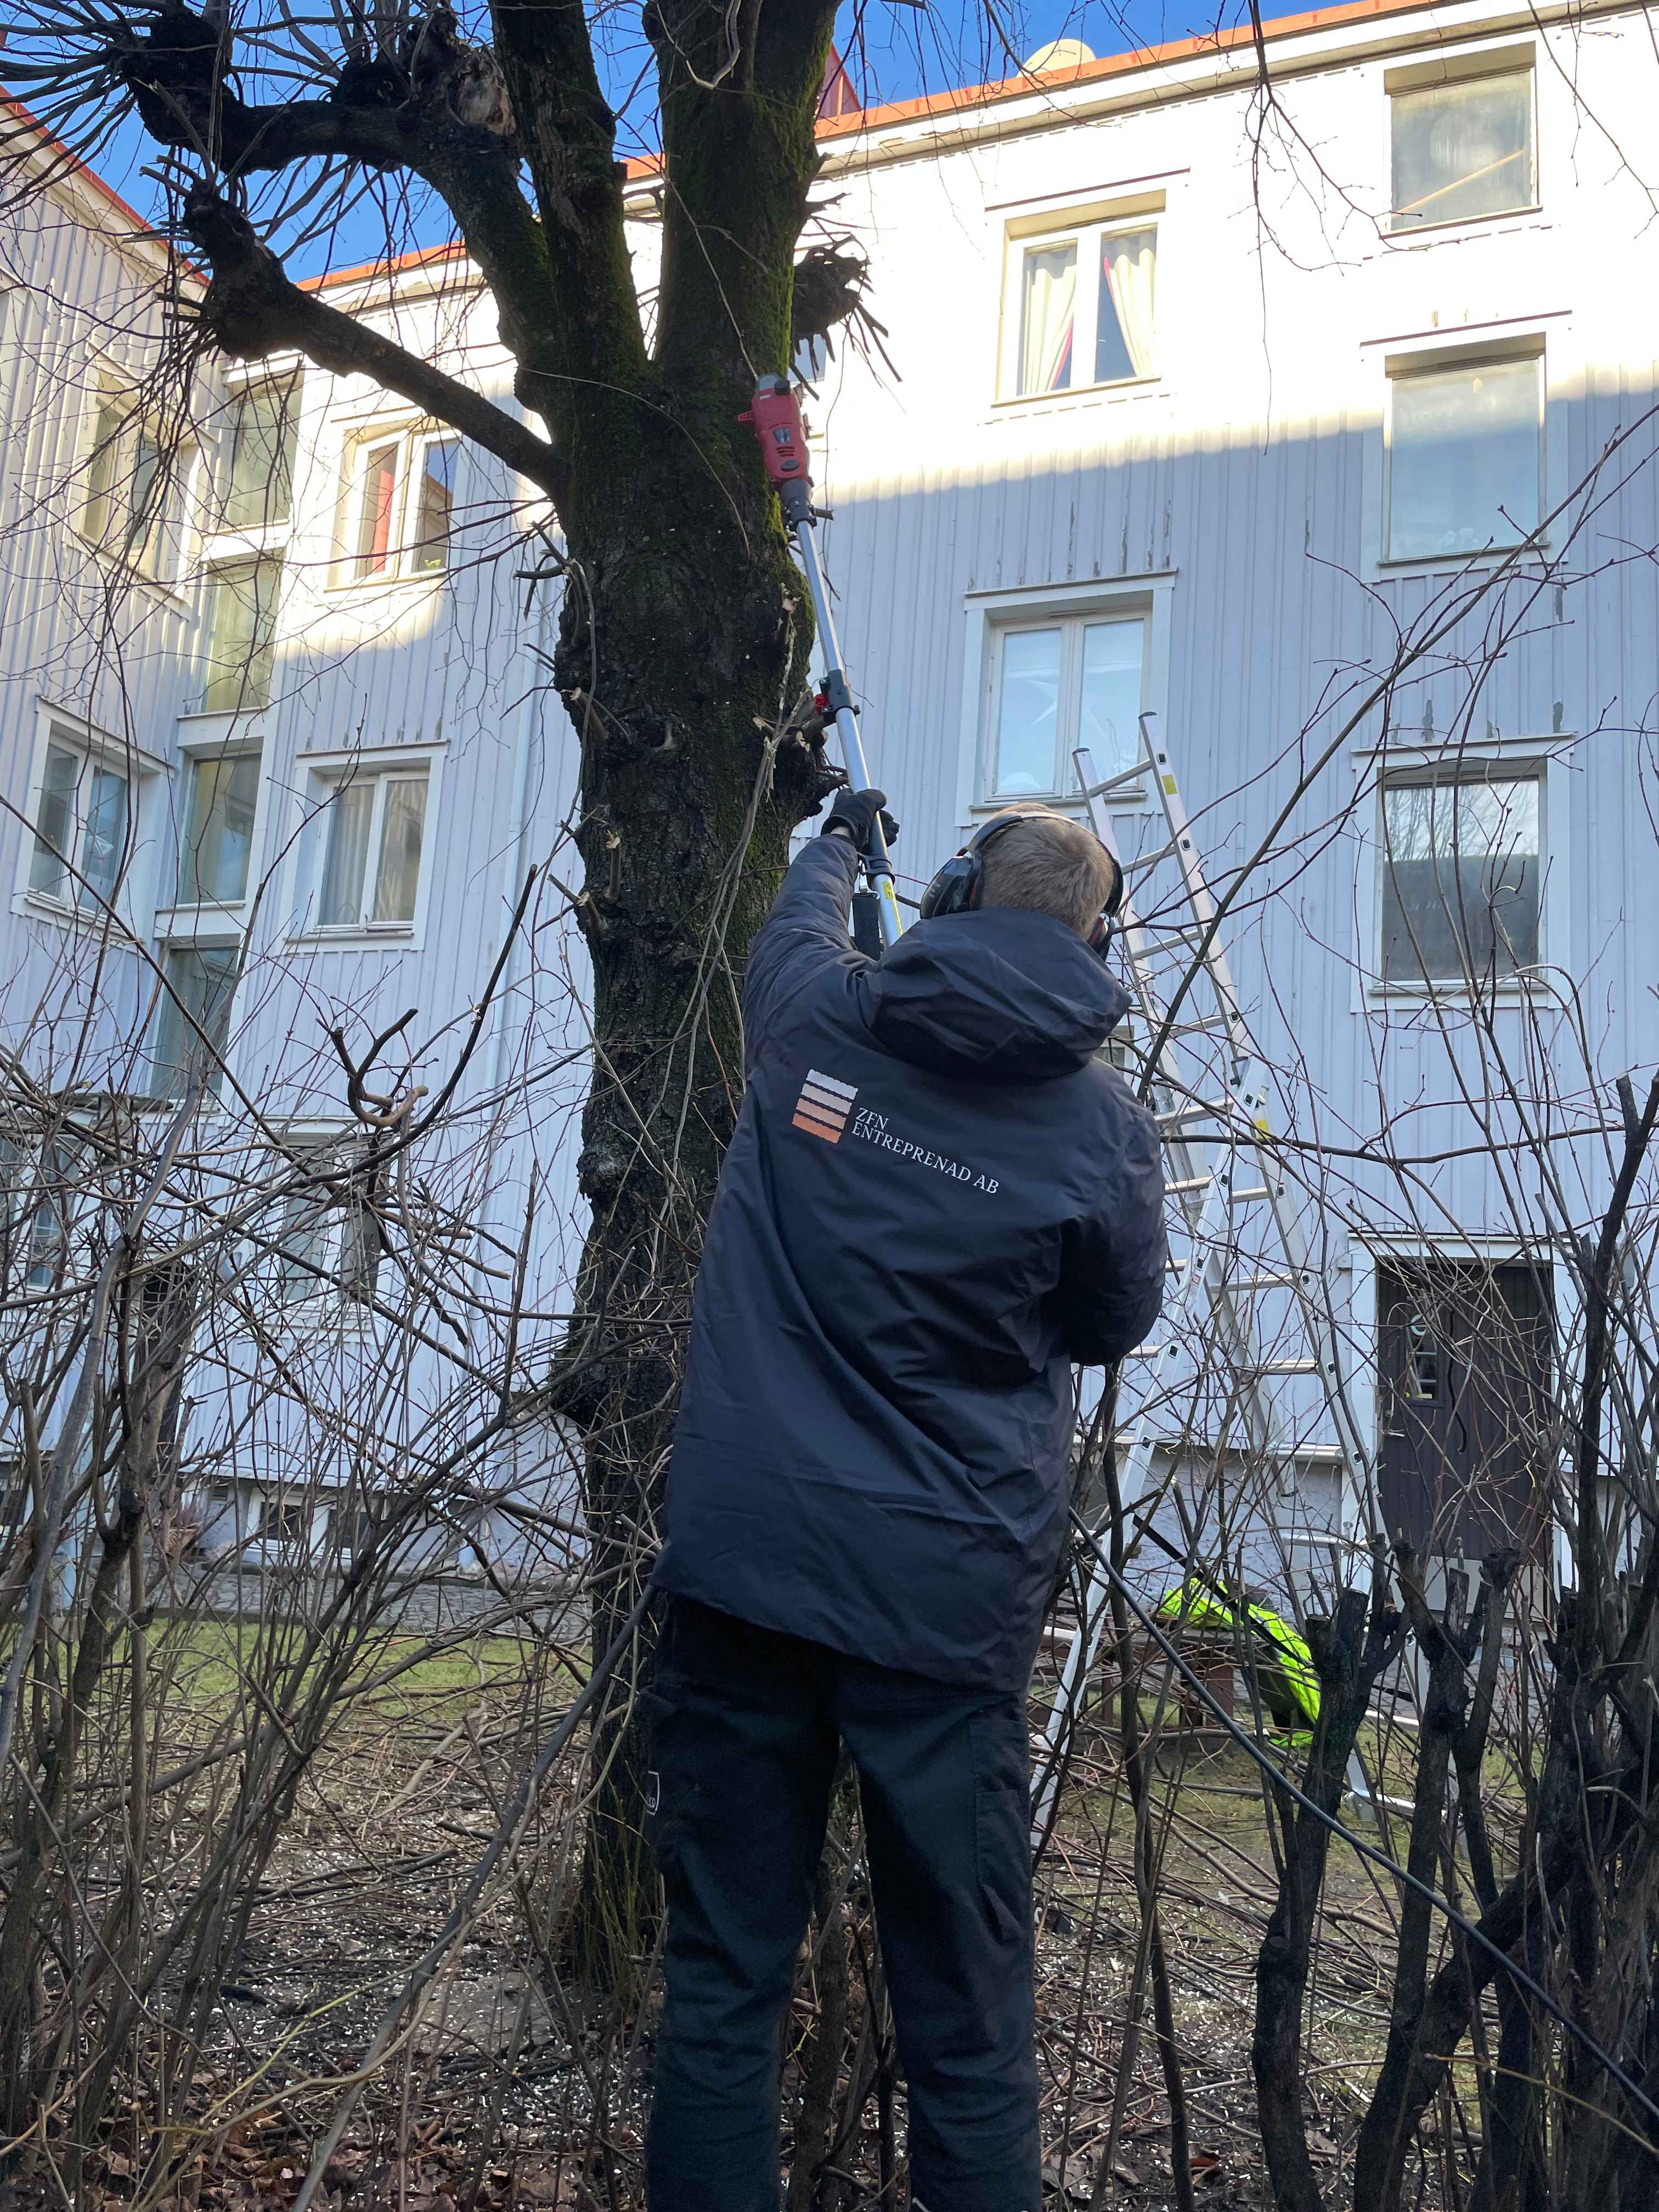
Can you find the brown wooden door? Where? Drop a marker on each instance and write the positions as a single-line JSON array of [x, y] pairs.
[[1465, 1354]]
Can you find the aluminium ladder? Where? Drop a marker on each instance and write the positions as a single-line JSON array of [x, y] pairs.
[[1206, 1175]]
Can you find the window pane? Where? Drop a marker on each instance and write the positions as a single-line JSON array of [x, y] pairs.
[[346, 850], [1111, 693], [242, 637], [142, 539], [213, 862], [1049, 285], [377, 494], [54, 835], [104, 840], [400, 849], [1028, 712], [436, 502], [260, 492], [1123, 331], [1462, 150], [1463, 459], [1459, 880], [201, 978], [303, 1245], [101, 472]]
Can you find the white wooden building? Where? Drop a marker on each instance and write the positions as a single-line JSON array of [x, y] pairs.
[[1203, 400]]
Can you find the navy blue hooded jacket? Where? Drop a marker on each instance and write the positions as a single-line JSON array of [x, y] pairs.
[[936, 1199]]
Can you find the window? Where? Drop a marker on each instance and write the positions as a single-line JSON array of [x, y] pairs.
[[83, 826], [400, 504], [32, 1188], [241, 636], [434, 501], [1084, 305], [285, 1524], [1463, 149], [1057, 685], [127, 481], [258, 491], [1465, 458], [1459, 878], [192, 1016], [217, 843], [372, 831], [329, 1241]]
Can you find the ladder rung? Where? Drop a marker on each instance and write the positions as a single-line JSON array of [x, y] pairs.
[[1280, 1282], [1124, 777], [1199, 1112], [1287, 1367], [1192, 1183], [1242, 1196]]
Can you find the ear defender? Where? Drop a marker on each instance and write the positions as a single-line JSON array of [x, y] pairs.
[[955, 889]]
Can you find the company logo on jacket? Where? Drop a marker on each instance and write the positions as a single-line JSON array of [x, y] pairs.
[[823, 1108], [824, 1105]]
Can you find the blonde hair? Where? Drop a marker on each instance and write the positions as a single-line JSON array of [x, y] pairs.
[[1049, 864]]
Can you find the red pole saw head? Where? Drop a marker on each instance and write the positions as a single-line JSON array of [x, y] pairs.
[[782, 436]]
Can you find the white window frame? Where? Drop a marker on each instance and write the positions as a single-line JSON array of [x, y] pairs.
[[1547, 333], [229, 542], [1502, 759], [209, 937], [209, 917], [324, 1296], [146, 777], [111, 393], [324, 772], [990, 614], [1084, 225], [1466, 66], [410, 440]]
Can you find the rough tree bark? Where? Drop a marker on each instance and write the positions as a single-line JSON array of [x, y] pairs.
[[683, 637]]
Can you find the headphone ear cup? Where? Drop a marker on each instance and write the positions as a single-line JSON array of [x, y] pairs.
[[948, 891]]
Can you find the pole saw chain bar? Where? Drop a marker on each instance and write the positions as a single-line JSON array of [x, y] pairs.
[[775, 418]]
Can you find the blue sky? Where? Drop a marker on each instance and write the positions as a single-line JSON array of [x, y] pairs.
[[892, 51]]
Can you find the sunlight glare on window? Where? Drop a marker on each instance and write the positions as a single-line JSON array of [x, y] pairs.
[[435, 510], [1110, 725], [1462, 150], [1028, 712], [1464, 458]]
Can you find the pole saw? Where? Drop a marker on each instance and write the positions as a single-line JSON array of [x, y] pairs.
[[775, 418]]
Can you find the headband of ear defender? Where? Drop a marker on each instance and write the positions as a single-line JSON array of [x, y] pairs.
[[956, 887]]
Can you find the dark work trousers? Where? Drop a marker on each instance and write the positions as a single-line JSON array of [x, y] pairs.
[[747, 1725]]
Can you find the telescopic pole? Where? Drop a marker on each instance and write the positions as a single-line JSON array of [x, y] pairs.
[[775, 415]]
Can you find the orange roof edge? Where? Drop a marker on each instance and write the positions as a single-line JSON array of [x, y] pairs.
[[78, 167], [961, 97]]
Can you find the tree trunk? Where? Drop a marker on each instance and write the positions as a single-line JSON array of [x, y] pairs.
[[683, 645]]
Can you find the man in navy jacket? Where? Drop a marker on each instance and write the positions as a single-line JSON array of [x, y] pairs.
[[936, 1200]]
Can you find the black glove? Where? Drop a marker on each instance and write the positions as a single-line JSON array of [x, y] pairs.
[[855, 811]]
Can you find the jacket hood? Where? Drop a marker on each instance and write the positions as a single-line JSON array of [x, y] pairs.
[[1005, 995]]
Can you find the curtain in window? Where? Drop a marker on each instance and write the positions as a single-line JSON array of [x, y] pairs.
[[380, 488], [341, 900], [1123, 332], [1048, 311], [400, 849]]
